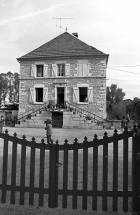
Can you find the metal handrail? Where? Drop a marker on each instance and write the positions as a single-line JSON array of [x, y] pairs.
[[82, 111], [87, 113]]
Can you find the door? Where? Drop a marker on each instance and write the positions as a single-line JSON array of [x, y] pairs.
[[57, 119], [60, 96]]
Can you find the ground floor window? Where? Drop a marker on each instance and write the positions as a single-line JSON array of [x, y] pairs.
[[83, 94], [39, 94]]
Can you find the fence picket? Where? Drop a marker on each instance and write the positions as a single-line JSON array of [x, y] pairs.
[[5, 163], [32, 172], [65, 174], [13, 172], [85, 173], [105, 171], [95, 172], [115, 171], [75, 174], [41, 172], [53, 176], [125, 171], [22, 174], [56, 172]]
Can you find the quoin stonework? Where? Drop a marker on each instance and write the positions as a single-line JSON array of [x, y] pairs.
[[62, 70]]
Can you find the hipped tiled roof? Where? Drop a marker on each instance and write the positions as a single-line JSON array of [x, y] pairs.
[[65, 45]]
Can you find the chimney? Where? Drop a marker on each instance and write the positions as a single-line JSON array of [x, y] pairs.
[[75, 34]]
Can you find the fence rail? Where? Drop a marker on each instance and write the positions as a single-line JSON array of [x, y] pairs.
[[54, 153]]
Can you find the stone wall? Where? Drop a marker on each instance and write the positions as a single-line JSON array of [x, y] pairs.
[[96, 78]]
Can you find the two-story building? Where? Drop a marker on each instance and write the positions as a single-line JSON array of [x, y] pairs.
[[64, 69]]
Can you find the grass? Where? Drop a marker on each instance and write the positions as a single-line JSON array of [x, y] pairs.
[[45, 210]]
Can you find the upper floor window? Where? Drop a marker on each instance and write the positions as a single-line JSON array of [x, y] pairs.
[[61, 69], [39, 71]]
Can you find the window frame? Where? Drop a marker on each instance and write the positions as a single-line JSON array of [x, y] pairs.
[[39, 65], [59, 72], [81, 95], [37, 102]]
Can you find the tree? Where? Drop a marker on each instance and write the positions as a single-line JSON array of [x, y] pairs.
[[114, 98], [16, 88], [118, 110], [114, 95], [134, 108], [9, 87], [3, 88]]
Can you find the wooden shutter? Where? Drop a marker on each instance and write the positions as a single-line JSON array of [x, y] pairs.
[[45, 94], [31, 99], [54, 70], [85, 69], [45, 70], [33, 70], [67, 69], [80, 69], [90, 94], [75, 94]]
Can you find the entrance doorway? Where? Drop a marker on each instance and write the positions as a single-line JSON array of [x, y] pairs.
[[57, 119], [60, 96]]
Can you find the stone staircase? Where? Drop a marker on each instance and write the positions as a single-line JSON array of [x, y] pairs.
[[74, 120], [73, 117], [36, 121]]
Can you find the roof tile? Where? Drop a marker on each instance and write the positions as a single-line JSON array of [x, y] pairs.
[[63, 45]]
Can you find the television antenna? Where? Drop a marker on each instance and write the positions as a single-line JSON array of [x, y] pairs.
[[60, 19]]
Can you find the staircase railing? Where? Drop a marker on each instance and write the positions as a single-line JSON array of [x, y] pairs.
[[53, 105], [31, 111], [85, 112]]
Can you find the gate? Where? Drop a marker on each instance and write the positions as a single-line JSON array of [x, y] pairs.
[[92, 154]]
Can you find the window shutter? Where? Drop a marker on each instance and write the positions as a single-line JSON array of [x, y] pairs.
[[31, 95], [90, 94], [85, 69], [75, 95], [67, 69], [45, 94], [45, 70], [33, 70], [80, 69], [54, 70]]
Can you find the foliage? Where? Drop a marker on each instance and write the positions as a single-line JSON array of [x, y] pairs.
[[118, 111], [133, 109], [88, 117], [114, 98], [9, 87], [114, 95]]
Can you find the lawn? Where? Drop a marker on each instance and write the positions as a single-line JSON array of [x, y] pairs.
[[62, 134]]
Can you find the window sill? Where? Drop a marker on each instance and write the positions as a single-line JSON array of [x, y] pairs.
[[38, 103], [82, 103]]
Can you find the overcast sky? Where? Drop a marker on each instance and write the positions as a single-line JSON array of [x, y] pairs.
[[112, 26]]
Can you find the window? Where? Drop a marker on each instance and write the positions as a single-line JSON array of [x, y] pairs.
[[61, 69], [39, 72], [39, 94], [83, 94]]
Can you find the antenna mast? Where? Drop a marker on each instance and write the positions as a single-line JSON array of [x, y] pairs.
[[60, 22]]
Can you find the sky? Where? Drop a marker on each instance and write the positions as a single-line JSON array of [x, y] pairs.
[[111, 26]]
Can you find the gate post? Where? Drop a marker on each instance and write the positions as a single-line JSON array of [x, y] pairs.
[[136, 173], [53, 176]]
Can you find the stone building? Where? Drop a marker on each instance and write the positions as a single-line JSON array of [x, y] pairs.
[[64, 71]]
